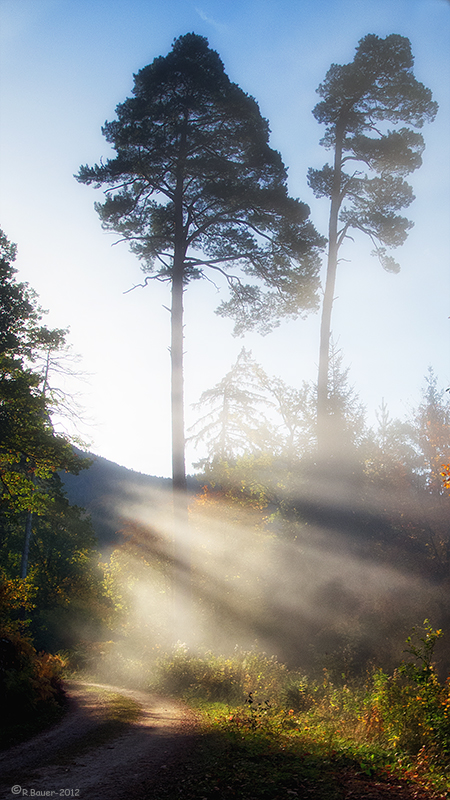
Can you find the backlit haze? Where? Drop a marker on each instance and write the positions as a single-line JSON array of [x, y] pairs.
[[66, 64]]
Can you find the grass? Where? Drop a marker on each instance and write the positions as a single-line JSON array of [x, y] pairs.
[[275, 734], [273, 754], [268, 733]]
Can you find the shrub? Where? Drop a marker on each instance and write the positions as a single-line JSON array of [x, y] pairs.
[[217, 679], [208, 678], [411, 707], [28, 680]]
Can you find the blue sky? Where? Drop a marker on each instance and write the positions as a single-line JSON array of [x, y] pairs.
[[66, 64]]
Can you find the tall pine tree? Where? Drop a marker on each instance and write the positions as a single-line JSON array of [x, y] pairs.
[[365, 182], [195, 188]]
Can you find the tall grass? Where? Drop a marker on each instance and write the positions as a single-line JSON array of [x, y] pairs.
[[385, 725], [214, 678]]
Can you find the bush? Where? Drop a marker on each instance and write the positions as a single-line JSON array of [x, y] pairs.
[[297, 694], [411, 706], [209, 678], [217, 679], [28, 680]]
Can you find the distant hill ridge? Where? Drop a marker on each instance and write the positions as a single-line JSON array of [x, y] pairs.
[[100, 488]]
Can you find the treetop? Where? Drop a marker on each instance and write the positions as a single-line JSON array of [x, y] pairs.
[[195, 182], [377, 85]]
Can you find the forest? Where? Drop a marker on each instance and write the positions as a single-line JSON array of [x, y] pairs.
[[287, 575]]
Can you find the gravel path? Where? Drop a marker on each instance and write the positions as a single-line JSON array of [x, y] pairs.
[[55, 764]]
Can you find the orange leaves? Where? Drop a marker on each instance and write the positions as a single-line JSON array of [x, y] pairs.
[[445, 475]]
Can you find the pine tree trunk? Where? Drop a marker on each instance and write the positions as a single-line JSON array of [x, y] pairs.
[[324, 443], [176, 352], [181, 573]]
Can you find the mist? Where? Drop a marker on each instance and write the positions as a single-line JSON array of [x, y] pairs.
[[329, 581]]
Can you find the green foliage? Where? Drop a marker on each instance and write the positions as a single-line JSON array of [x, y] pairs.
[[19, 312], [63, 593], [30, 451], [412, 707], [216, 679], [422, 648], [296, 734], [16, 602], [244, 482], [49, 543], [209, 678], [297, 694]]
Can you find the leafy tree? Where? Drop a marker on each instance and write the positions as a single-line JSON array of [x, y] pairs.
[[63, 576], [22, 337], [195, 188], [19, 313], [358, 99], [30, 452], [44, 540]]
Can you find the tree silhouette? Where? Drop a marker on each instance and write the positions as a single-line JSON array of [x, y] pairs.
[[234, 422], [432, 434], [194, 187], [358, 99], [30, 451]]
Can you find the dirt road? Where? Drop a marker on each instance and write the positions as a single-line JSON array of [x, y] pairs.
[[72, 760], [81, 757]]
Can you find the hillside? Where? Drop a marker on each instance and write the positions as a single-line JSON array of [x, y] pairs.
[[102, 488]]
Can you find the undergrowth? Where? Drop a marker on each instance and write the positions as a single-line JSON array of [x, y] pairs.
[[31, 692], [270, 732]]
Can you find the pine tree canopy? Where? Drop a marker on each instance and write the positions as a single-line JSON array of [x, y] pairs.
[[358, 101], [195, 182], [377, 85]]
